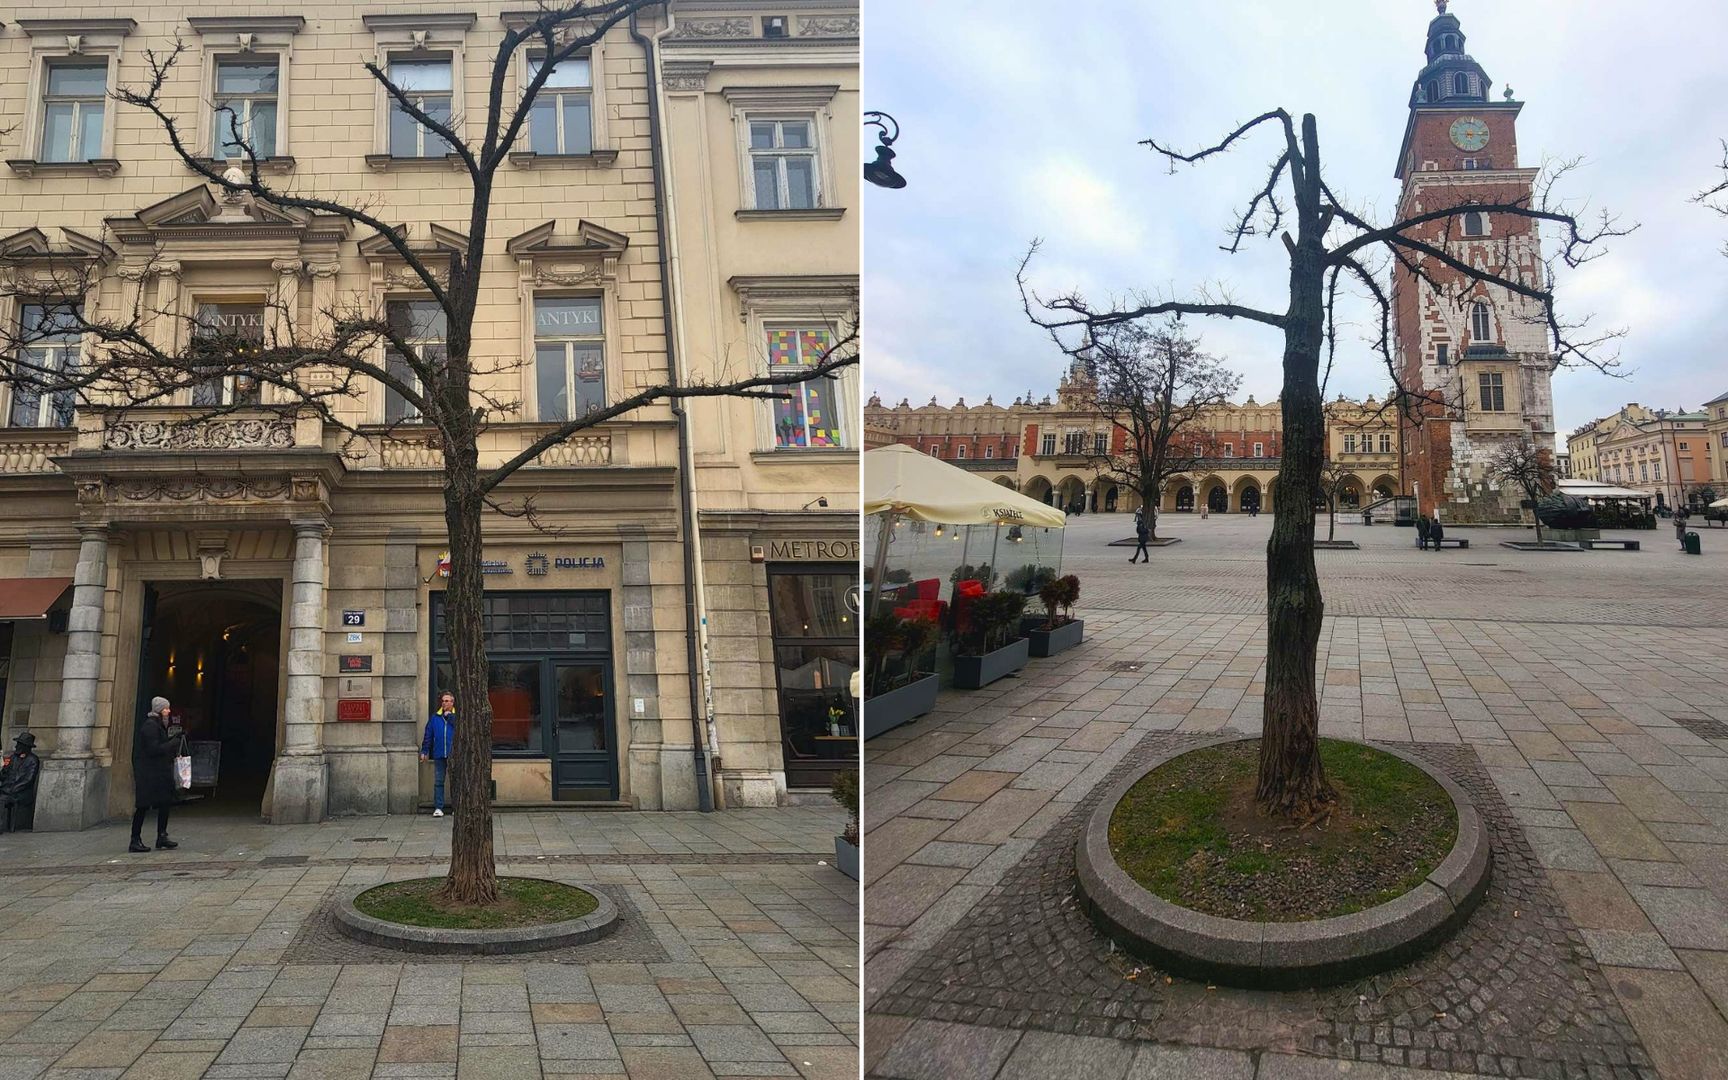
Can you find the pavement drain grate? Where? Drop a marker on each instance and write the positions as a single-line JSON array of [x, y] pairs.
[[283, 860], [371, 839], [1514, 993]]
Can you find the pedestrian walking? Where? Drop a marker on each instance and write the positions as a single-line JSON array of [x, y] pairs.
[[1436, 533], [435, 746], [154, 749], [1141, 533], [1423, 528]]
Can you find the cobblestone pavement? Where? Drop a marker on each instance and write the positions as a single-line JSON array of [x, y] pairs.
[[738, 956], [1590, 736]]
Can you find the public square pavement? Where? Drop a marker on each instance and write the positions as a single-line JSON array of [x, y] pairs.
[[1581, 697], [736, 955]]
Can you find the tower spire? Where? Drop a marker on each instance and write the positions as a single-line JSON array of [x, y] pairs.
[[1451, 76]]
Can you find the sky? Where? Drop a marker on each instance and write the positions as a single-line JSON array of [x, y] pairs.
[[1023, 121]]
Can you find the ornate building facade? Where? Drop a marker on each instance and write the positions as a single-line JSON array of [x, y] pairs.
[[1669, 455], [1479, 353], [1055, 449], [279, 578]]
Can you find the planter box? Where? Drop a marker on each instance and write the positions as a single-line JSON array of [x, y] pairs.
[[977, 672], [885, 712], [846, 857], [1051, 642]]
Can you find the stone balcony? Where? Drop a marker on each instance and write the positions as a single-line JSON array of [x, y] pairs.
[[181, 429], [25, 451]]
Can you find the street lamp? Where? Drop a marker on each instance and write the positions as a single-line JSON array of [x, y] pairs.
[[881, 171]]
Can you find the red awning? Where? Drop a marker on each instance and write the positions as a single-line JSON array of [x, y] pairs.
[[30, 597]]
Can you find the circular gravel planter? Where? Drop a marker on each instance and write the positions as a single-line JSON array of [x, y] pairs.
[[516, 939], [1281, 955]]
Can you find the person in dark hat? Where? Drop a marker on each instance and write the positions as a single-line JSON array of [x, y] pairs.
[[153, 752], [18, 785]]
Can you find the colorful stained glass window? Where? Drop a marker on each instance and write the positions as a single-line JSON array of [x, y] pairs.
[[809, 416]]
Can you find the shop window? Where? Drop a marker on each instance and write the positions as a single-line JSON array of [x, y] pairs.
[[561, 120], [246, 105], [809, 417], [815, 654], [422, 325], [569, 357], [223, 336], [50, 350]]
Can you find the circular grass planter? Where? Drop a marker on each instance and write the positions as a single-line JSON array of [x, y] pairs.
[[596, 924], [1280, 955]]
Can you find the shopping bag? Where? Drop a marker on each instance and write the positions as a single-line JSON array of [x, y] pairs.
[[183, 772]]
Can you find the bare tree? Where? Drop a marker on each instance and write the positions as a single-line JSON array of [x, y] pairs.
[[1154, 386], [130, 360], [1332, 477], [1528, 467], [1329, 246]]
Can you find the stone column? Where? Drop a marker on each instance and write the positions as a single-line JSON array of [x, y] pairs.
[[74, 785], [299, 790], [169, 304]]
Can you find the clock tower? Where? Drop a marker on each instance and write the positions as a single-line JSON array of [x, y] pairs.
[[1478, 354]]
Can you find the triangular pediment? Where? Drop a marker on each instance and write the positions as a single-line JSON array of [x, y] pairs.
[[438, 239], [590, 239], [33, 243], [198, 208]]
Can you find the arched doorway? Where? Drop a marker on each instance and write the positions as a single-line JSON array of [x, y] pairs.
[[1111, 498], [1039, 488], [1250, 500], [1185, 499], [1349, 496], [1382, 490], [1218, 500], [214, 649], [1005, 481], [1071, 495]]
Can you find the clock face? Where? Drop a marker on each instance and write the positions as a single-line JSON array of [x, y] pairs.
[[1469, 133]]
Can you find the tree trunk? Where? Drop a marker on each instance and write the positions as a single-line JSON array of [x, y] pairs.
[[473, 875], [1149, 505], [1331, 519], [1292, 783]]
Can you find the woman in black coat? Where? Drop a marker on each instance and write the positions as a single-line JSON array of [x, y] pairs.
[[153, 753]]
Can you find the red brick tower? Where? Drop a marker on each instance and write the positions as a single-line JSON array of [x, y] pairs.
[[1479, 352]]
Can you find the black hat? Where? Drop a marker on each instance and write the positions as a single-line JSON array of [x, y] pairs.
[[26, 740]]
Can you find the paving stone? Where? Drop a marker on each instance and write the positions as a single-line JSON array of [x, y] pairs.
[[1686, 1038], [733, 1042], [1686, 918], [890, 844], [905, 893], [263, 1045], [1624, 948], [1616, 832], [997, 817], [932, 1050], [974, 786], [576, 1041], [419, 1044], [1598, 901], [1074, 1057], [154, 1065]]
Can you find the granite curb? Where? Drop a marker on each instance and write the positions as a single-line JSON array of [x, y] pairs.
[[517, 939], [1258, 955]]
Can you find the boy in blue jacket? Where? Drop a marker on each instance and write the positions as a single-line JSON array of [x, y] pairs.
[[436, 744]]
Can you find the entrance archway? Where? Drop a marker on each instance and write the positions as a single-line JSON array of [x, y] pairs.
[[1071, 494], [1250, 500], [1110, 499], [1039, 488], [1218, 500], [214, 649], [1185, 499]]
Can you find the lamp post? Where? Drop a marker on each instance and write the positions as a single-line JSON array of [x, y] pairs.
[[881, 171]]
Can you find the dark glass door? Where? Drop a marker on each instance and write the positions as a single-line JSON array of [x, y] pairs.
[[582, 761]]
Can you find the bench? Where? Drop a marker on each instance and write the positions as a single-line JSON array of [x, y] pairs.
[[1623, 545], [1460, 541]]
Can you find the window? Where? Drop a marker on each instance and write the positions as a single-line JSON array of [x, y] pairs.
[[1657, 466], [423, 326], [1470, 164], [989, 451], [1047, 443], [810, 417], [50, 346], [1074, 442], [959, 451], [1259, 449], [427, 83], [246, 101], [1475, 223], [562, 119], [569, 357], [227, 333], [1460, 83], [1100, 442], [936, 450], [1442, 355], [1643, 472], [1385, 442], [72, 107], [1685, 446], [783, 164], [1229, 449], [1481, 323], [1349, 444], [1493, 393]]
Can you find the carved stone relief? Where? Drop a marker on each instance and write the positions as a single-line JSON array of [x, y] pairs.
[[202, 435]]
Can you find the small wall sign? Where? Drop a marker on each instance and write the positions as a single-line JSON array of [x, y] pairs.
[[354, 664], [353, 618], [807, 551], [351, 709], [354, 637]]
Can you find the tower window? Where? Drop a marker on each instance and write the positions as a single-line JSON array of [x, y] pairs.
[[1460, 83], [1442, 354], [1481, 323], [1475, 223], [1433, 91], [1492, 390], [1471, 164]]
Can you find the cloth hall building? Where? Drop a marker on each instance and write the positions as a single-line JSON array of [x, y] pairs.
[[682, 200]]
